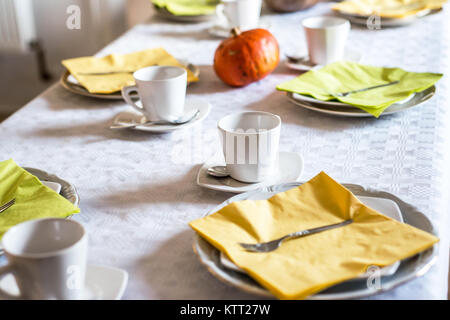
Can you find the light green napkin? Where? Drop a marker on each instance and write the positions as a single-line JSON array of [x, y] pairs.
[[33, 199], [347, 76], [188, 7]]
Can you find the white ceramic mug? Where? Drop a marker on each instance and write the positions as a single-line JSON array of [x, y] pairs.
[[243, 14], [326, 38], [162, 90], [250, 145], [47, 258]]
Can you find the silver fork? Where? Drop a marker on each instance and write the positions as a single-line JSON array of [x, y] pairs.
[[344, 94], [7, 205], [274, 244]]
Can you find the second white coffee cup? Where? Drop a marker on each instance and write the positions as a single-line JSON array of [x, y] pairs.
[[250, 145], [162, 91], [326, 38], [243, 14]]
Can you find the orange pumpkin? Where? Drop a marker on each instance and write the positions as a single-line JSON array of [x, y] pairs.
[[246, 57]]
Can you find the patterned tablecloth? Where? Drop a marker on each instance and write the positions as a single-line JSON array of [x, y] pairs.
[[138, 190]]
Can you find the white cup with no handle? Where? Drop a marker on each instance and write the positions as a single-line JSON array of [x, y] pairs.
[[250, 145], [326, 38], [243, 14], [47, 258], [162, 91]]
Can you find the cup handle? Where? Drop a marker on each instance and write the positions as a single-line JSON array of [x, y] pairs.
[[8, 269], [126, 96], [221, 14]]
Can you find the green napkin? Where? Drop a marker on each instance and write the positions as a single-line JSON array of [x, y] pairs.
[[188, 7], [33, 199], [347, 76]]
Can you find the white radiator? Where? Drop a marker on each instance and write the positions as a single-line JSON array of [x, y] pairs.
[[17, 28]]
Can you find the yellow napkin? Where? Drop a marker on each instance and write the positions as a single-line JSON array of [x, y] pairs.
[[304, 266], [188, 7], [387, 8], [110, 83], [33, 199], [346, 76]]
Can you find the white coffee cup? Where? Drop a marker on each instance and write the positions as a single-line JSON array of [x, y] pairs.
[[243, 14], [250, 145], [162, 90], [326, 38], [47, 258]]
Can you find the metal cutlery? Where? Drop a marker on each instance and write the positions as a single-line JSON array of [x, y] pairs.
[[218, 171], [344, 94], [182, 120], [274, 244], [7, 205]]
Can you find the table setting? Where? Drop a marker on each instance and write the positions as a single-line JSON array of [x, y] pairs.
[[216, 154]]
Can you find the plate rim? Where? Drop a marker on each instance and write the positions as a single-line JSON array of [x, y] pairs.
[[359, 113], [234, 190], [420, 270]]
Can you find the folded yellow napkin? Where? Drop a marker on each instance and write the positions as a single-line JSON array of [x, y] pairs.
[[188, 7], [304, 266], [109, 83], [33, 199], [387, 8], [346, 76]]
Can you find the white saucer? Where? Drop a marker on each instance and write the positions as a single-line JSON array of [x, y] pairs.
[[385, 206], [102, 283], [222, 31], [290, 168], [305, 64], [203, 106]]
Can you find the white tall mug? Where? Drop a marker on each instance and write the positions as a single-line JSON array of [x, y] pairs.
[[326, 38], [250, 145]]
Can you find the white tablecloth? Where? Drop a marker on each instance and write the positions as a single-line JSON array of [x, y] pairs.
[[138, 190]]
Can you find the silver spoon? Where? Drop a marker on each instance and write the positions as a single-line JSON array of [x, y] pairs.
[[183, 119], [218, 171]]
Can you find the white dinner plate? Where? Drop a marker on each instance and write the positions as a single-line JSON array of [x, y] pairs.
[[386, 22], [408, 269], [290, 168], [203, 106], [385, 206], [304, 64], [346, 111], [102, 283]]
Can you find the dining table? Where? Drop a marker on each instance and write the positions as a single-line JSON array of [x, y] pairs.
[[138, 190]]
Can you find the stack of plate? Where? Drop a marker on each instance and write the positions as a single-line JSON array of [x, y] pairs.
[[337, 108], [71, 84], [391, 276], [164, 13]]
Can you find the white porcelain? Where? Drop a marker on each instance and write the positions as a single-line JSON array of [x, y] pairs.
[[102, 283], [305, 64], [290, 168], [224, 31], [191, 104], [162, 91], [52, 185], [250, 144], [409, 269], [326, 38], [243, 14], [47, 258], [385, 206], [351, 111]]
